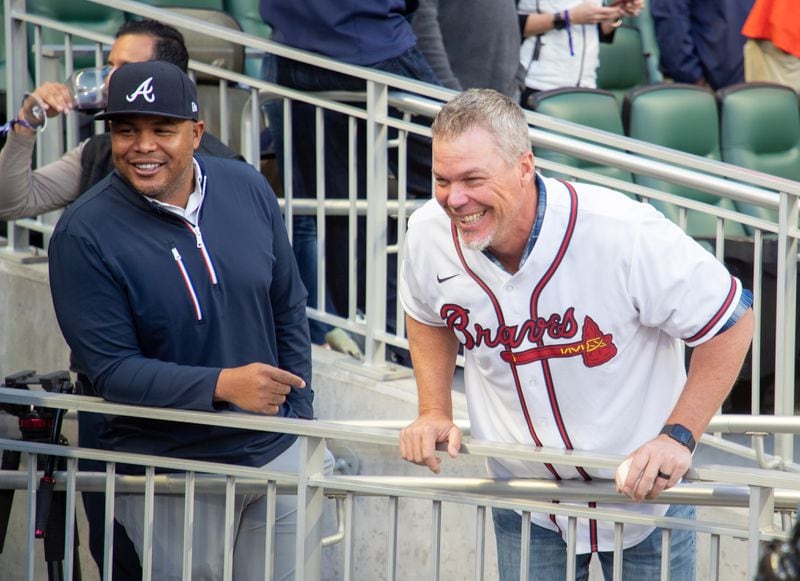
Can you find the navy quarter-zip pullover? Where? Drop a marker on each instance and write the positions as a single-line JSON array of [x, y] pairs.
[[152, 316]]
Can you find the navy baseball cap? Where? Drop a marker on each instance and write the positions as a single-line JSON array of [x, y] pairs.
[[151, 88]]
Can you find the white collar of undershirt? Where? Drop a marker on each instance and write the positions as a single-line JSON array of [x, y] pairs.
[[191, 213]]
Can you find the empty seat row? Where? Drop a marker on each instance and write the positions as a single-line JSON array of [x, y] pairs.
[[752, 125]]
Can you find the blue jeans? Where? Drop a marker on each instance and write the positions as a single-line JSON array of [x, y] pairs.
[[306, 77], [548, 552], [304, 244]]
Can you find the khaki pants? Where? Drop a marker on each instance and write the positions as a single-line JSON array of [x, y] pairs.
[[763, 61]]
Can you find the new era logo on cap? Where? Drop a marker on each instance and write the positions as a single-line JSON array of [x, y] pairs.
[[151, 88]]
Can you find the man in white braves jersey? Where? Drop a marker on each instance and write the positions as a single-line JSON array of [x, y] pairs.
[[572, 303]]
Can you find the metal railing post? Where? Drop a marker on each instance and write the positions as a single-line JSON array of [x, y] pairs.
[[377, 191], [70, 526], [188, 525], [16, 57], [755, 356], [480, 542], [762, 504], [349, 511], [108, 535], [310, 503], [391, 549], [30, 539], [785, 324], [17, 84]]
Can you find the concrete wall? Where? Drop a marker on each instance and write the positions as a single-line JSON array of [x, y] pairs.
[[30, 339], [29, 334]]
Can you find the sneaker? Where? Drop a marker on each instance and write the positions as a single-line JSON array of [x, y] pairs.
[[339, 340]]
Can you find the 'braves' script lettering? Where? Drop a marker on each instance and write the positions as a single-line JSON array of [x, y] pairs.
[[510, 336]]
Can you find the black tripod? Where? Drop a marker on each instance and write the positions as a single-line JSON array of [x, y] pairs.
[[38, 424]]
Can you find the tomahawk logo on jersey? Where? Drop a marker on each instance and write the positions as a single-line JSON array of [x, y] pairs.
[[594, 346]]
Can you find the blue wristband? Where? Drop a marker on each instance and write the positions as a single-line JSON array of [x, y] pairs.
[[4, 129], [569, 33]]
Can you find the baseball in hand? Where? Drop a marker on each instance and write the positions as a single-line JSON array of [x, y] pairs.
[[622, 473]]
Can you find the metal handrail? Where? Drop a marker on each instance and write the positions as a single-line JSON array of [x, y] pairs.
[[355, 432]]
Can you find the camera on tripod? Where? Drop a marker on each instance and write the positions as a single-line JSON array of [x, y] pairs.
[[40, 424], [36, 423]]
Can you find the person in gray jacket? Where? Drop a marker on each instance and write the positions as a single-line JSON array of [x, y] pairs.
[[25, 192], [471, 43]]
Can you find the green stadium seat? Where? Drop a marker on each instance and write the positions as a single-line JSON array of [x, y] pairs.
[[682, 117], [622, 62], [221, 53], [79, 13], [591, 107], [207, 49], [246, 14], [760, 130]]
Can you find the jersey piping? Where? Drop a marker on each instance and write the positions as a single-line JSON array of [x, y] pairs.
[[720, 313]]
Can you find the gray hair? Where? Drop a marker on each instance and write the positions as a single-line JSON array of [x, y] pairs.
[[486, 108]]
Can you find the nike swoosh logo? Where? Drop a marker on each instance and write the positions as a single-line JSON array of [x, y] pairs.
[[440, 280]]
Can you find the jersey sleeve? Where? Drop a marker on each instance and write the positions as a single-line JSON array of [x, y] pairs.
[[677, 285], [415, 295]]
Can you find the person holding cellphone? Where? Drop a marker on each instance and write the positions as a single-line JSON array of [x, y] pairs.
[[561, 40]]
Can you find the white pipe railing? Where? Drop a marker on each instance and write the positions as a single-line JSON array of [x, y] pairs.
[[712, 486]]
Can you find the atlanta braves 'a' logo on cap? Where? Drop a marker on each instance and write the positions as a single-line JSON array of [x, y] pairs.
[[145, 90], [151, 88]]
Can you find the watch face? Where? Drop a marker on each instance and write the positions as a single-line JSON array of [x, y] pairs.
[[680, 434]]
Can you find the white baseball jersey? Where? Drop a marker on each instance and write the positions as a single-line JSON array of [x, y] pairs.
[[581, 348]]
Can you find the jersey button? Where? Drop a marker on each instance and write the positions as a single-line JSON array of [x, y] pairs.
[[510, 288]]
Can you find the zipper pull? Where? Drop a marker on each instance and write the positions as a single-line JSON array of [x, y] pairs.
[[176, 255], [198, 236]]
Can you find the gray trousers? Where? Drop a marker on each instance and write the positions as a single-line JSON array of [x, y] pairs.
[[249, 524]]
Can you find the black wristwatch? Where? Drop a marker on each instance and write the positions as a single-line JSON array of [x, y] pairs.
[[559, 22], [680, 434]]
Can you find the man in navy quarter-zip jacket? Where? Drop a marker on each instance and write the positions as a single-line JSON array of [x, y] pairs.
[[26, 192], [175, 286]]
